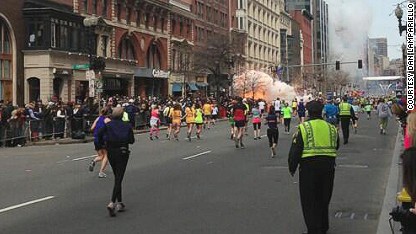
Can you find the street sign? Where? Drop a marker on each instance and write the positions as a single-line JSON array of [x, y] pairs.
[[91, 88], [90, 75], [80, 66]]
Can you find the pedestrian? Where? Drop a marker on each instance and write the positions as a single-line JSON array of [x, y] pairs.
[[346, 114], [99, 123], [239, 113], [190, 119], [116, 135], [231, 119], [272, 132], [287, 117], [154, 122], [199, 120], [256, 120], [314, 148], [383, 113]]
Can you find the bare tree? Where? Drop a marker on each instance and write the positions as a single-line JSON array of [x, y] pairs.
[[251, 83]]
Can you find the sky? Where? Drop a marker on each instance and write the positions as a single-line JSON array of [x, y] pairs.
[[352, 20]]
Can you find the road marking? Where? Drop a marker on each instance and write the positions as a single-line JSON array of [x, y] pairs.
[[197, 155], [352, 166], [365, 216], [338, 215], [82, 158], [25, 204], [352, 216]]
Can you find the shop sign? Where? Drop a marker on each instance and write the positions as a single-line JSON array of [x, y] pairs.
[[200, 79], [160, 74], [177, 78], [80, 66]]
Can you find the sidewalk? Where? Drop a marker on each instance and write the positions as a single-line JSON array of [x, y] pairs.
[[394, 185]]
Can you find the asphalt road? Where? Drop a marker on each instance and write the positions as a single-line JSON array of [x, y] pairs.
[[203, 186]]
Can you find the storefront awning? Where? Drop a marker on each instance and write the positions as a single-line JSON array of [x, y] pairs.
[[176, 88], [193, 87], [202, 84]]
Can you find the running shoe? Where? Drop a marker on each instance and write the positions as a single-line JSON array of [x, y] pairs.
[[151, 138], [102, 175], [273, 152], [111, 209], [157, 137], [91, 165], [236, 143], [255, 138], [120, 207], [242, 145], [198, 137]]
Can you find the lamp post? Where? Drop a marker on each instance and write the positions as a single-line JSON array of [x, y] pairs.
[[399, 14], [95, 64]]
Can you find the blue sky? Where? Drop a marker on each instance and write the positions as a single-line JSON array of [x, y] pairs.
[[373, 17]]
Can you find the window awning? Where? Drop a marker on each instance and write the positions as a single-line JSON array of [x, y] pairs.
[[176, 87], [193, 87]]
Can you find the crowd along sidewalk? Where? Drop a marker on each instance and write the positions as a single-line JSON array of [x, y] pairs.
[[88, 139]]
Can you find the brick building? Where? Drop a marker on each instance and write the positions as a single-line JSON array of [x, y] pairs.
[[11, 58]]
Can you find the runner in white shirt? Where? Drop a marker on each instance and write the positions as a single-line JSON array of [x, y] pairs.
[[214, 113], [277, 104], [261, 104]]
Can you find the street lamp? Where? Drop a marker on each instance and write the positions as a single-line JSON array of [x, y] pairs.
[[399, 14]]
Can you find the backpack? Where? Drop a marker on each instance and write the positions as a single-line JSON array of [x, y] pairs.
[[384, 111]]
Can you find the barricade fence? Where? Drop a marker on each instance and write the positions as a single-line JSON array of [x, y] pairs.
[[17, 132]]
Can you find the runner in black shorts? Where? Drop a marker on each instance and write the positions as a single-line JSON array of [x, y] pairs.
[[239, 113]]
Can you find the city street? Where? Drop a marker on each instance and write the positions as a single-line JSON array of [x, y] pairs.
[[203, 186]]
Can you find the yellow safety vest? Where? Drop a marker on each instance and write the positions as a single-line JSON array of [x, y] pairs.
[[319, 138], [345, 109]]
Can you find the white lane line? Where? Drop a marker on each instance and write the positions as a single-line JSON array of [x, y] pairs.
[[263, 136], [197, 155], [82, 158], [25, 204]]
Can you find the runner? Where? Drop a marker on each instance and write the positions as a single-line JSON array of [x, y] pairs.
[[331, 113], [357, 110], [207, 113], [214, 113], [256, 121], [154, 122], [246, 113], [190, 118], [199, 120], [239, 113], [99, 123], [231, 118], [301, 111], [277, 107], [272, 132], [287, 117], [294, 107], [368, 108], [262, 106], [176, 120], [384, 113], [167, 112]]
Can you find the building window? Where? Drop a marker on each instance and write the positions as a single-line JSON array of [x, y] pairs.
[[36, 34], [147, 20], [138, 19], [126, 49], [155, 21], [5, 63], [94, 7], [104, 8], [128, 15], [118, 12], [180, 28], [85, 5], [162, 26], [153, 57], [104, 44]]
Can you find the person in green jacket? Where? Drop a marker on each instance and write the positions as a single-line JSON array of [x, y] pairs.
[[287, 117]]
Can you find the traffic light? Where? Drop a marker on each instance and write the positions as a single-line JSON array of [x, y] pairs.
[[360, 64], [337, 65]]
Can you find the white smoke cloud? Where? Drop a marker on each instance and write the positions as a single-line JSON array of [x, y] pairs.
[[349, 25]]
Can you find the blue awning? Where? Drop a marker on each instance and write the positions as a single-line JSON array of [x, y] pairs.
[[176, 88], [193, 87]]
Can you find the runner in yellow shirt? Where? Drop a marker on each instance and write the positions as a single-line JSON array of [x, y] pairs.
[[176, 120], [207, 109], [190, 118]]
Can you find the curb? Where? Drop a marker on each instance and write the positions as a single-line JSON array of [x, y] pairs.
[[392, 188]]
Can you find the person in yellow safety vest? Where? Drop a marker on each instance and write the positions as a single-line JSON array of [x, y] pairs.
[[314, 149], [346, 113], [246, 112]]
